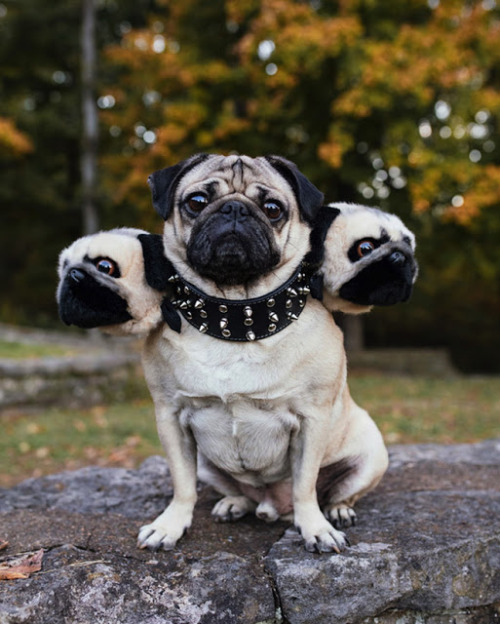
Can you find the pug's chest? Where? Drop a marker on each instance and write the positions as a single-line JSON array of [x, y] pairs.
[[205, 367], [249, 440]]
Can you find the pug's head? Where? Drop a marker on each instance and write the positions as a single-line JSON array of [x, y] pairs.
[[369, 259], [102, 283], [235, 220]]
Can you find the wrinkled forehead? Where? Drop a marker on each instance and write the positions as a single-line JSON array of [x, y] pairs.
[[233, 174], [363, 222]]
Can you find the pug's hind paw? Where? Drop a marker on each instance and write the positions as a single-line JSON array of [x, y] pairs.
[[341, 516], [231, 508]]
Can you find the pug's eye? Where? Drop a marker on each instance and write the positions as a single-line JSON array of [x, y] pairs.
[[365, 248], [197, 202], [273, 210], [104, 265]]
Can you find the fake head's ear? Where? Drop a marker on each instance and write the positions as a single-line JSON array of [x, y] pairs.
[[157, 268], [309, 198], [164, 182]]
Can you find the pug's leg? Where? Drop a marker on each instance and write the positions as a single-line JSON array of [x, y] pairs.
[[331, 479], [235, 503], [307, 449], [342, 483], [180, 450]]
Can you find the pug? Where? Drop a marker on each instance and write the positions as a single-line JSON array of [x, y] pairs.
[[102, 283], [250, 391], [366, 258]]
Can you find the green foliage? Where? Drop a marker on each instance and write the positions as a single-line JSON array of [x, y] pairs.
[[18, 350], [40, 99], [392, 104]]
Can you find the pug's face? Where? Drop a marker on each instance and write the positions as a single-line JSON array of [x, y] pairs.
[[369, 259], [102, 283], [233, 220]]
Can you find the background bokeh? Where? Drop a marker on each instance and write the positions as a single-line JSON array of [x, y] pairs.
[[393, 104]]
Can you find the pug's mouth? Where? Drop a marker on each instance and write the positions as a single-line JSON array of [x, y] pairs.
[[231, 256]]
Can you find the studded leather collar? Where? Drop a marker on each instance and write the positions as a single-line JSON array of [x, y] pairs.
[[240, 320], [243, 320]]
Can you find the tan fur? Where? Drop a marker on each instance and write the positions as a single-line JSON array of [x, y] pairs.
[[262, 417], [258, 421], [247, 187]]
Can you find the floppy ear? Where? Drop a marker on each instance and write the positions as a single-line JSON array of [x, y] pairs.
[[156, 266], [324, 219], [158, 269], [314, 258], [310, 199], [164, 182]]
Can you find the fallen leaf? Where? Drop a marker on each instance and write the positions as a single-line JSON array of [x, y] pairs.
[[3, 544], [11, 575], [22, 567]]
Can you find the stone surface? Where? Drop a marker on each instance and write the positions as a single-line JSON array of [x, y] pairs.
[[96, 369], [426, 550], [70, 381], [427, 542], [87, 522], [400, 361]]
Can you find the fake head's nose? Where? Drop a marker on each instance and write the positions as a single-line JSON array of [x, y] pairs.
[[76, 275], [397, 258]]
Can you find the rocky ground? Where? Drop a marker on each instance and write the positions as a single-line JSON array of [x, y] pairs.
[[426, 550]]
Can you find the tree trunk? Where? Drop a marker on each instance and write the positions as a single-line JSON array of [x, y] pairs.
[[89, 119]]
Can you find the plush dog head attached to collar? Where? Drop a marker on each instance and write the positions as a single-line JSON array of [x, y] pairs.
[[369, 259], [102, 283]]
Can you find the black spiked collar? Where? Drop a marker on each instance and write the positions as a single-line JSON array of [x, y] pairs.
[[237, 320], [242, 320]]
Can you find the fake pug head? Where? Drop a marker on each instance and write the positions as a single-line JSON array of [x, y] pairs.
[[102, 282], [235, 220], [369, 259]]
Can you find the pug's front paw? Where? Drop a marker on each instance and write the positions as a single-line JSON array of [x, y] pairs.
[[166, 530], [319, 535]]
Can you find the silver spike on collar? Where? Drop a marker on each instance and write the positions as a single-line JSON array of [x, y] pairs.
[[243, 320]]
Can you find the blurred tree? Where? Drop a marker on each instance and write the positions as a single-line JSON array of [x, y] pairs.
[[90, 132], [392, 104], [40, 122]]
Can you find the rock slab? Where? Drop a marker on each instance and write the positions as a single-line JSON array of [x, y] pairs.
[[426, 550]]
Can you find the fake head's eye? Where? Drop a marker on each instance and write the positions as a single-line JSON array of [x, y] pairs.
[[197, 202], [365, 248], [107, 266], [273, 210]]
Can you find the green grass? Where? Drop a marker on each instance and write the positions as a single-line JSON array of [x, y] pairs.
[[407, 409], [418, 409], [35, 444], [19, 350]]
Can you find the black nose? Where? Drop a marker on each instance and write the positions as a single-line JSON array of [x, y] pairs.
[[235, 209], [77, 275], [397, 258]]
